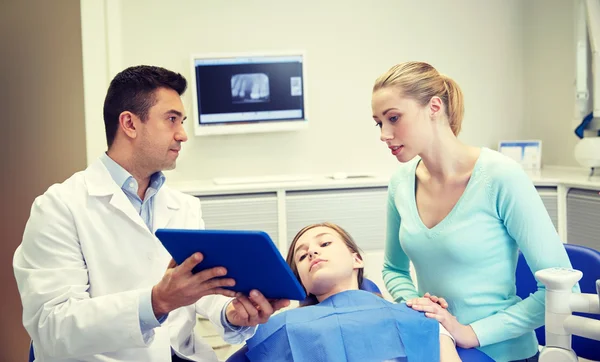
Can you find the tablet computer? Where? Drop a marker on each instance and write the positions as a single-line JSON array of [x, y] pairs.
[[250, 257]]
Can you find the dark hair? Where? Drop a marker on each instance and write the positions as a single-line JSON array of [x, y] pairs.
[[133, 90], [348, 240]]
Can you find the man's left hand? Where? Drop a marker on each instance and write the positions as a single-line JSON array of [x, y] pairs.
[[249, 311]]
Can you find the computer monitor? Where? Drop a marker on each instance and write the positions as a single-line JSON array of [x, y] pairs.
[[248, 93]]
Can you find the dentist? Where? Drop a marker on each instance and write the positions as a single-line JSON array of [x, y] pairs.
[[91, 273]]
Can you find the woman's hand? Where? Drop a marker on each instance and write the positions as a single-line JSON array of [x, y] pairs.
[[441, 301], [463, 335]]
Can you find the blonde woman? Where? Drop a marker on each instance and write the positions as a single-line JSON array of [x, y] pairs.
[[460, 213]]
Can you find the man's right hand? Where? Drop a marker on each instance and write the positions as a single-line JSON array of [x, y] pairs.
[[180, 287]]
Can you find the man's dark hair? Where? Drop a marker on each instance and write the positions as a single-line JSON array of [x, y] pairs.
[[133, 90]]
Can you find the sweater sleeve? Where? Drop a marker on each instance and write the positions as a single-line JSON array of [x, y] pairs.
[[522, 211], [396, 264]]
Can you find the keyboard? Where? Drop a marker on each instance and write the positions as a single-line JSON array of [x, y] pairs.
[[260, 179]]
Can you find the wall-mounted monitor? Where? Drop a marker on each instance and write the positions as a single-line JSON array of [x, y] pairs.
[[248, 93]]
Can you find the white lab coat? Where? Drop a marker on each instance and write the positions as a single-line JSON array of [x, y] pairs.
[[86, 257]]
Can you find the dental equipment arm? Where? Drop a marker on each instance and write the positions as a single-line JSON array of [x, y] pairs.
[[560, 304]]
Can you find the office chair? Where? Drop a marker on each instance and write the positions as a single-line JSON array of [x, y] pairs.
[[587, 261]]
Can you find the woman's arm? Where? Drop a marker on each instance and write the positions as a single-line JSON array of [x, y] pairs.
[[448, 350], [522, 211], [396, 264]]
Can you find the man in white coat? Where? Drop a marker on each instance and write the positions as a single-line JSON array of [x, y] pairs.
[[90, 271]]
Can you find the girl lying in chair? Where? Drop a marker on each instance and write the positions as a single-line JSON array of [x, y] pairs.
[[339, 322]]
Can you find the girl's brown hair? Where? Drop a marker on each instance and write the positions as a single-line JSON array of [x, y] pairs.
[[348, 240], [420, 81]]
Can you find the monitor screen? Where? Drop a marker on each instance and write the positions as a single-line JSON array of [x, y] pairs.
[[248, 93]]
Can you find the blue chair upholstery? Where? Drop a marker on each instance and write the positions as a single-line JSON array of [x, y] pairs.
[[466, 355], [586, 260], [31, 355], [369, 286]]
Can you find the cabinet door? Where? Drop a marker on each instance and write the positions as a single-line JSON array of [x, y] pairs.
[[242, 212], [583, 218], [549, 197], [360, 211]]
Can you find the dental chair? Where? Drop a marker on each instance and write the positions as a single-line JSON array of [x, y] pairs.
[[569, 317], [466, 355]]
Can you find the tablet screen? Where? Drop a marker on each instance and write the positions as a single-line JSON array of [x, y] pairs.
[[251, 259]]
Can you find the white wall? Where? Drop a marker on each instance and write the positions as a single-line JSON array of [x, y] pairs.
[[348, 44], [549, 63]]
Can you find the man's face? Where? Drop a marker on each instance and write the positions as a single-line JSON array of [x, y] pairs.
[[161, 135]]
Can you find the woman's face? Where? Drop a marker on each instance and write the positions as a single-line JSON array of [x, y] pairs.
[[403, 121], [324, 261]]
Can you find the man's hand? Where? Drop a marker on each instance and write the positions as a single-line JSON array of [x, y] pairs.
[[464, 336], [250, 311], [179, 287]]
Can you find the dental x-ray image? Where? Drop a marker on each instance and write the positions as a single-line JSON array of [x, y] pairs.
[[250, 88]]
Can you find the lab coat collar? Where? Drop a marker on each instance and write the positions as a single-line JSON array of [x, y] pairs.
[[100, 183], [98, 180], [165, 206]]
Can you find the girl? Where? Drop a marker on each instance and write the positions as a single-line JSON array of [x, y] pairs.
[[345, 323]]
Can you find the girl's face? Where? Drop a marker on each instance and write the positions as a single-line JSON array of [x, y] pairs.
[[405, 124], [324, 262]]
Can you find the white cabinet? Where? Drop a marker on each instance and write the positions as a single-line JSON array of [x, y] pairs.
[[583, 217], [360, 211], [242, 212], [549, 196]]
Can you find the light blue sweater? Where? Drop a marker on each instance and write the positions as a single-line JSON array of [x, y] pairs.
[[470, 257]]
